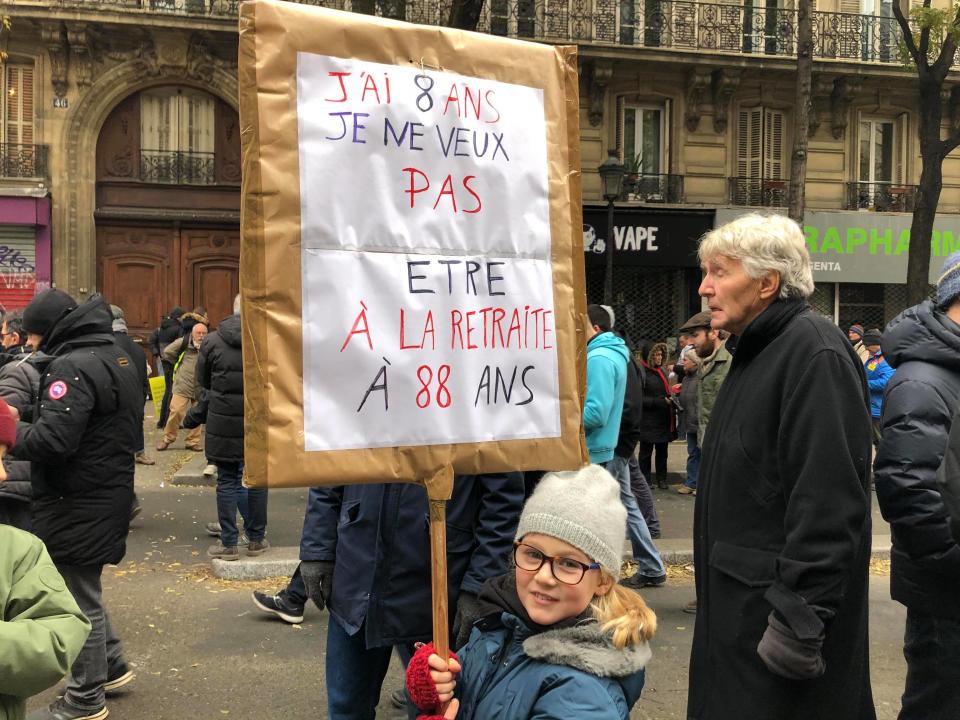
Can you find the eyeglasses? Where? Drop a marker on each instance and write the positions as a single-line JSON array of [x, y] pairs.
[[566, 570]]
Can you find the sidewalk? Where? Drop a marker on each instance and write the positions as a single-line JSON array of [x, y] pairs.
[[675, 510]]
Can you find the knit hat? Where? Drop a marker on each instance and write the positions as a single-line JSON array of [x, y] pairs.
[[871, 337], [581, 508], [855, 328], [948, 286], [8, 427], [45, 310]]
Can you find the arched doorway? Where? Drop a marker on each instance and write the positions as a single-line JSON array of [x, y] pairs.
[[168, 205]]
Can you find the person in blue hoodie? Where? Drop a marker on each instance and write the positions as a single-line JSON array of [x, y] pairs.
[[607, 356], [878, 375], [558, 637]]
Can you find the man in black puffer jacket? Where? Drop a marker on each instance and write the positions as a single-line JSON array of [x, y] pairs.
[[923, 345], [220, 372], [81, 441]]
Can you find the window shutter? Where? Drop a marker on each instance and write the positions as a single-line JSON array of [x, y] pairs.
[[900, 148], [850, 6], [18, 123], [749, 145], [773, 145], [665, 137]]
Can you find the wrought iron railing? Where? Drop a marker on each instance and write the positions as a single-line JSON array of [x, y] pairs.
[[758, 192], [668, 24], [23, 161], [881, 196], [164, 166], [654, 188]]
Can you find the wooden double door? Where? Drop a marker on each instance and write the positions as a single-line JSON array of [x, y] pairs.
[[149, 269]]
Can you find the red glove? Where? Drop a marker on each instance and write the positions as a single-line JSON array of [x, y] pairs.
[[420, 685]]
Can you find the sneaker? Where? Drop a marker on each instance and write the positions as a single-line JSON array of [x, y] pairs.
[[213, 529], [194, 448], [641, 581], [244, 540], [256, 547], [278, 605], [223, 553], [162, 445], [135, 508], [691, 607], [60, 709], [210, 470], [121, 678], [686, 490], [143, 459]]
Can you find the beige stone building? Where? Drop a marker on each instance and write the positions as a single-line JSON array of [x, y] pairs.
[[119, 170]]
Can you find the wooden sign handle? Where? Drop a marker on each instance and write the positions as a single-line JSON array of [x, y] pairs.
[[439, 490]]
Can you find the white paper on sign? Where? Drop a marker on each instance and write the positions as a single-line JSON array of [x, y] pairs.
[[427, 281]]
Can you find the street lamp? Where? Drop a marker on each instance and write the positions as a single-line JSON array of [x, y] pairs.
[[611, 175]]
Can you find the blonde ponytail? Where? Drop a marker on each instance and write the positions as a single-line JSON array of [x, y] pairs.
[[625, 615]]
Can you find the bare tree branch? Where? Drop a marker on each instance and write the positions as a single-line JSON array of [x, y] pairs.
[[908, 38]]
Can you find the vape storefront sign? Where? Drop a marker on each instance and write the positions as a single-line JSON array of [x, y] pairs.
[[642, 237]]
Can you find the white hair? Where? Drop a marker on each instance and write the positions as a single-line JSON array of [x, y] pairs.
[[236, 304], [764, 243]]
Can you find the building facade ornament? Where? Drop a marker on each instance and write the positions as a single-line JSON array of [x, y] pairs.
[[698, 80], [725, 84], [54, 38]]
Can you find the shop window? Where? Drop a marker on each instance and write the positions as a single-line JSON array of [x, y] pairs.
[[16, 104], [177, 137], [862, 303]]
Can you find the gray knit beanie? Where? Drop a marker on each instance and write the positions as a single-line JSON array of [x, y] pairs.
[[582, 508], [948, 285]]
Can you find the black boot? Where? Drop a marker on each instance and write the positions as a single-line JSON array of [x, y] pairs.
[[662, 482]]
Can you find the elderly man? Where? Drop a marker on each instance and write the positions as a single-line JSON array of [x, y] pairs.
[[183, 355], [782, 521]]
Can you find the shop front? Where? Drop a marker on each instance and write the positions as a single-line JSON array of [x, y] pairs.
[[25, 262], [656, 274]]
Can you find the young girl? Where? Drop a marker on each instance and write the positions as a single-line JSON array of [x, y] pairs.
[[558, 637]]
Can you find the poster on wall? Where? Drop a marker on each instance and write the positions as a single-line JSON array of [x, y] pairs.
[[411, 258]]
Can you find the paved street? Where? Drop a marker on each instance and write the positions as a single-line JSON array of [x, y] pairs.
[[202, 650]]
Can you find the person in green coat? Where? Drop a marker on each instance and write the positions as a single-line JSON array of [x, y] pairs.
[[41, 628]]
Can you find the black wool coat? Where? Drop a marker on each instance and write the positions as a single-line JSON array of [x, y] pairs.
[[782, 523], [923, 345], [656, 424], [82, 440], [220, 372]]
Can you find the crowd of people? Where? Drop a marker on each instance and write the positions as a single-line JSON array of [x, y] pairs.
[[73, 386], [786, 420]]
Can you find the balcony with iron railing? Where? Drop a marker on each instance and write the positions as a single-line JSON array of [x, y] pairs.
[[880, 196], [653, 188], [177, 168], [758, 192], [663, 24], [26, 162]]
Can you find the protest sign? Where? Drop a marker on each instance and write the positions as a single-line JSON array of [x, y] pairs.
[[412, 260]]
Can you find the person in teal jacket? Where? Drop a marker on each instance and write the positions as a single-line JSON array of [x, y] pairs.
[[41, 628], [878, 375], [607, 357], [557, 638]]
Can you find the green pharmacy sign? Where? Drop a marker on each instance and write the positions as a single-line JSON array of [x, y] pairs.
[[866, 247]]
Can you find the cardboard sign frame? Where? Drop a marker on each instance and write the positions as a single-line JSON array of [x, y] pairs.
[[271, 35]]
